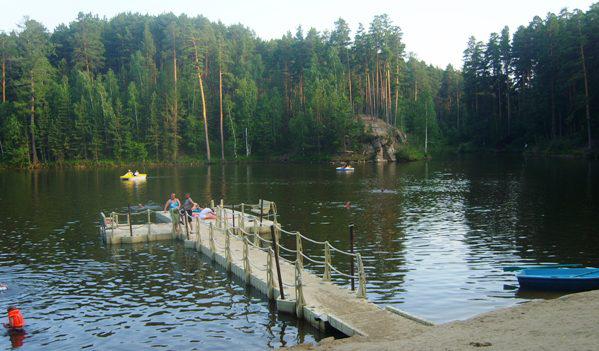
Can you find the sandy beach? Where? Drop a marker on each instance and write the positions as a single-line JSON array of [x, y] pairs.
[[570, 322]]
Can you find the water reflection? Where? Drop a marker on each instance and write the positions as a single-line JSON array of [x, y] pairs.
[[434, 243]]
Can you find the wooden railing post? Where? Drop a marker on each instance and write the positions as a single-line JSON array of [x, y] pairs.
[[299, 248], [327, 262]]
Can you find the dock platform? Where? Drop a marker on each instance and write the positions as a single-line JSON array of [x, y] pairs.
[[246, 250]]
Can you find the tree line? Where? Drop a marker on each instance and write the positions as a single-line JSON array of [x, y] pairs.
[[538, 86], [167, 88], [138, 87]]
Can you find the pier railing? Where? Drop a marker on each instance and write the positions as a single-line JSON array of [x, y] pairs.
[[233, 221]]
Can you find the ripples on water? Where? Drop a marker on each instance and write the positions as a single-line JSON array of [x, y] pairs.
[[434, 243], [136, 297]]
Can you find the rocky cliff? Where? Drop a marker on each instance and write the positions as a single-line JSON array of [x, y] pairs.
[[382, 140]]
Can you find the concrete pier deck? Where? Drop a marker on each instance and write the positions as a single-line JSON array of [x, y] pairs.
[[326, 305]]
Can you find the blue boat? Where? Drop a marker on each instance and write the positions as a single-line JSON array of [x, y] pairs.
[[560, 279], [541, 266]]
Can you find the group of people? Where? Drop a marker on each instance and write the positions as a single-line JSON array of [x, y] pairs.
[[129, 173], [183, 213]]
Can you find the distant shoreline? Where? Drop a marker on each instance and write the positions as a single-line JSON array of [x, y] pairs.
[[332, 159]]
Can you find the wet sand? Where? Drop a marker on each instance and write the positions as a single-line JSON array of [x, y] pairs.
[[570, 322]]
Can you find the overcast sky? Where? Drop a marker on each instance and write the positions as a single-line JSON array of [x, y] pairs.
[[436, 31]]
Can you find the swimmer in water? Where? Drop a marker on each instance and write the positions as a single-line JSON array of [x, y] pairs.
[[16, 322]]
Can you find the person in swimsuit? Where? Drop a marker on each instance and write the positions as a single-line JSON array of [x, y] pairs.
[[173, 204], [188, 206], [207, 213]]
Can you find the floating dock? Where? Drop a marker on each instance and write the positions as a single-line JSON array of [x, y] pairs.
[[238, 243]]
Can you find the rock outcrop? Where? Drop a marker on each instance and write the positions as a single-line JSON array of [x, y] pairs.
[[383, 140]]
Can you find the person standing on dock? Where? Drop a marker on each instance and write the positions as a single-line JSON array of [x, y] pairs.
[[188, 206], [173, 204]]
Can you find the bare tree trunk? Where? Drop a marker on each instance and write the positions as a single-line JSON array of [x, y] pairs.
[[351, 101], [586, 96], [3, 79], [375, 80], [301, 90], [389, 108], [499, 104], [369, 95], [199, 70], [233, 132], [458, 105], [553, 120], [34, 159], [426, 132], [415, 90], [509, 110], [205, 117], [176, 102], [222, 134], [396, 95]]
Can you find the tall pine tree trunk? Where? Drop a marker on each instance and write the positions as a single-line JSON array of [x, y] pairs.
[[351, 101], [176, 102], [3, 79], [369, 95], [458, 106], [509, 110], [389, 94], [222, 134], [586, 97], [199, 71], [396, 95], [34, 159]]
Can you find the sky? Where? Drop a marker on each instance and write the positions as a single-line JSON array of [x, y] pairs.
[[436, 31]]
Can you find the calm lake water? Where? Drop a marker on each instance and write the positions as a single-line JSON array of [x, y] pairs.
[[434, 236]]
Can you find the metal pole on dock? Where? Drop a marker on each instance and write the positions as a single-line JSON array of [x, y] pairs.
[[351, 258], [233, 214], [276, 244], [129, 219], [261, 210], [186, 224]]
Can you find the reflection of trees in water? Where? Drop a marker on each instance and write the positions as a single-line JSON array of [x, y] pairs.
[[539, 209]]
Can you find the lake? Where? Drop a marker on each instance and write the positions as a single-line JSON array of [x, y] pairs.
[[434, 236]]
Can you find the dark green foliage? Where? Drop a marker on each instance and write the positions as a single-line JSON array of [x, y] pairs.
[[128, 88], [530, 90]]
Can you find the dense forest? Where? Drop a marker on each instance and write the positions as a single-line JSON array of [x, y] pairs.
[[167, 88]]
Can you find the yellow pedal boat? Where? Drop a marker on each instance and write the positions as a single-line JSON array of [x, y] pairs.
[[131, 176]]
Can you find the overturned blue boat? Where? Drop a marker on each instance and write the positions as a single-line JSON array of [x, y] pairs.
[[559, 279]]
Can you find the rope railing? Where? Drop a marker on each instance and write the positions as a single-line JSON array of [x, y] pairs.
[[301, 255], [232, 223]]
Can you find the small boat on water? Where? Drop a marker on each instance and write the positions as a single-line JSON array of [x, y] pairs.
[[133, 177], [541, 266], [344, 169], [559, 279]]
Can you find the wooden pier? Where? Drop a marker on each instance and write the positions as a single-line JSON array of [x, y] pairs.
[[251, 251]]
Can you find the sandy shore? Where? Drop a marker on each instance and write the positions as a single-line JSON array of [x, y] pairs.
[[567, 323]]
